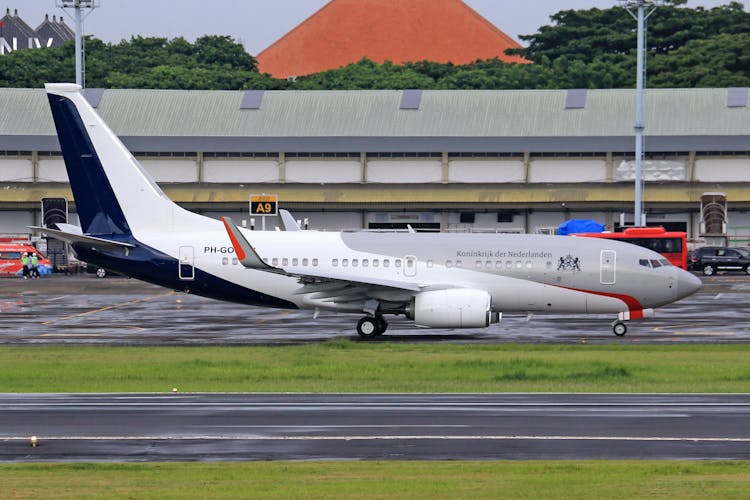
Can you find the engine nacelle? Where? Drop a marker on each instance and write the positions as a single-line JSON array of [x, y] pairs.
[[454, 308]]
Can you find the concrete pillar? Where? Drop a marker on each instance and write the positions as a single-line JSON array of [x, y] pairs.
[[446, 168], [199, 161], [526, 167], [363, 167], [282, 167], [34, 166], [610, 167]]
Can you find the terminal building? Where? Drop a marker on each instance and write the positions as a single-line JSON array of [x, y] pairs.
[[495, 160]]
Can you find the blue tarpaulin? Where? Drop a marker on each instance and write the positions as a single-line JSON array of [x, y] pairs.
[[580, 226]]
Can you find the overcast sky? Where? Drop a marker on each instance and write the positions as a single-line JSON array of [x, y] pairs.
[[259, 23]]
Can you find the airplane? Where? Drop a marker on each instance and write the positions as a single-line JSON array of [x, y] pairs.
[[437, 280]]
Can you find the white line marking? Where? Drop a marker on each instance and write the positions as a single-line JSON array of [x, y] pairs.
[[381, 438], [394, 426]]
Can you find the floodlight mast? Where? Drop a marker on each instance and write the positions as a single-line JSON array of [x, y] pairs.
[[78, 17], [640, 7]]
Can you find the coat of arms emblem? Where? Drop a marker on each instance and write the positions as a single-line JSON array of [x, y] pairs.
[[569, 263]]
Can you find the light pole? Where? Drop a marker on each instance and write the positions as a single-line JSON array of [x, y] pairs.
[[78, 17], [640, 10]]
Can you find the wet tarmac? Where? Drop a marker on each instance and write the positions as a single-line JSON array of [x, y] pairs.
[[157, 427], [83, 309]]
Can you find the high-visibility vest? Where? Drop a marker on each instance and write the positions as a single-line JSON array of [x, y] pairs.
[[34, 260], [25, 260]]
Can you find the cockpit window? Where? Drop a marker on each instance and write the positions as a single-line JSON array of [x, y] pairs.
[[644, 263], [665, 262], [655, 263]]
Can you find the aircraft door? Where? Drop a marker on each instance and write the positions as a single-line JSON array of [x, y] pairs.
[[608, 267], [187, 262], [410, 266]]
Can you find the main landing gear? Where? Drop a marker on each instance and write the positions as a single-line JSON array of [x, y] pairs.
[[619, 328], [370, 327]]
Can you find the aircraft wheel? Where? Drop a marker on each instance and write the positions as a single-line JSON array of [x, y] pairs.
[[382, 325], [368, 328], [101, 272], [620, 329]]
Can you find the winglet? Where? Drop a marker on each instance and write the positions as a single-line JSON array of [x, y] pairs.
[[245, 252], [287, 221]]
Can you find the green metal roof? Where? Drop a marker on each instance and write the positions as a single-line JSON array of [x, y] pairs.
[[480, 118]]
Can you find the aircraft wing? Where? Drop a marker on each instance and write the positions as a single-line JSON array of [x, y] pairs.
[[79, 239], [249, 258]]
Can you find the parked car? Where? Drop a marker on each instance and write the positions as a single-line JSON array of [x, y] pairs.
[[100, 272], [713, 259]]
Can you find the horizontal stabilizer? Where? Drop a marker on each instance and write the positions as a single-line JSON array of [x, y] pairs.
[[82, 240]]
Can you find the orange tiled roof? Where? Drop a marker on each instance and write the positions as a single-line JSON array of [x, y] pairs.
[[345, 31]]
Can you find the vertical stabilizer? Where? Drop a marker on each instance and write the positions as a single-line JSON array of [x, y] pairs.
[[113, 193]]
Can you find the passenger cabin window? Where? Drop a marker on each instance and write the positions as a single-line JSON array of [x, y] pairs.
[[397, 263], [224, 261], [315, 262], [284, 262], [234, 261], [375, 263], [449, 263], [365, 263], [459, 263], [295, 262], [305, 262], [386, 263], [274, 261], [478, 264], [335, 262], [344, 262], [429, 264], [355, 262]]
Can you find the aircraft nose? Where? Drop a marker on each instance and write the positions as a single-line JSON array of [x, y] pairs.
[[687, 283]]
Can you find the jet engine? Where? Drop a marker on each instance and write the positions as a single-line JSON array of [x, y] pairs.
[[453, 308]]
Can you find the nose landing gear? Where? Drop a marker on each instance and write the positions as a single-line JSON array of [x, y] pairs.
[[619, 328]]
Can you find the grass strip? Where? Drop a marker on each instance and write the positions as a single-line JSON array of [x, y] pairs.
[[346, 366], [419, 479]]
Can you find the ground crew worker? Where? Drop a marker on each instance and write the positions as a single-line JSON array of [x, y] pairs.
[[34, 266], [25, 263]]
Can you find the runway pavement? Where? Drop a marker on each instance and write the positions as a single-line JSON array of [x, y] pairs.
[[118, 311], [153, 427]]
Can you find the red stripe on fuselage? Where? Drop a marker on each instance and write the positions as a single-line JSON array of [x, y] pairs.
[[634, 306]]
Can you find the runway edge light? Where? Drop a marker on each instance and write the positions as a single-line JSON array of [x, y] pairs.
[[34, 441]]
